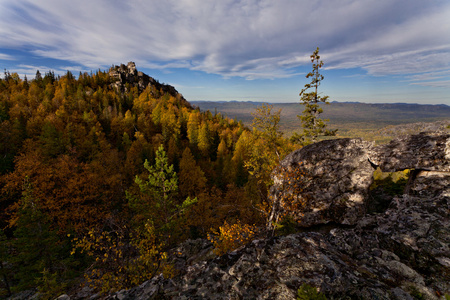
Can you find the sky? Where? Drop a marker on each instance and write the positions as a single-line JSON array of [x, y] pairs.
[[374, 51]]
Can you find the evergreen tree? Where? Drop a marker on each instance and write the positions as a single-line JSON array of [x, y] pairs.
[[156, 203], [37, 246], [313, 126], [161, 186], [38, 76]]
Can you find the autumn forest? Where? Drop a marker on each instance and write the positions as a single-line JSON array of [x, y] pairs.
[[100, 178]]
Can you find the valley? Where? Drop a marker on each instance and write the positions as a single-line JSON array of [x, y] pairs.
[[374, 122]]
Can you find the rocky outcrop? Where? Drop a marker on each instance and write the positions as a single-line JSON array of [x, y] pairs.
[[400, 253], [336, 174], [128, 74], [334, 178], [424, 151], [406, 247]]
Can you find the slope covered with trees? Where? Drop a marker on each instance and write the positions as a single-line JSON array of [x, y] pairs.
[[101, 174]]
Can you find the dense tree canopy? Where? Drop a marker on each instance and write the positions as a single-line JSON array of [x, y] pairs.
[[102, 171]]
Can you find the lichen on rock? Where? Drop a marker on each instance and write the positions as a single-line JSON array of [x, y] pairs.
[[336, 176]]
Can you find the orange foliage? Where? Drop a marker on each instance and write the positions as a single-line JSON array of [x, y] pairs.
[[75, 195], [192, 178], [231, 236]]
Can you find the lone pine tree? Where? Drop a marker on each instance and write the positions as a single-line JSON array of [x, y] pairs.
[[313, 126]]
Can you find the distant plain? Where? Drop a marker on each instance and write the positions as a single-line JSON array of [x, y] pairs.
[[376, 122]]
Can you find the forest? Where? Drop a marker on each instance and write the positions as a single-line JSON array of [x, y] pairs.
[[99, 182]]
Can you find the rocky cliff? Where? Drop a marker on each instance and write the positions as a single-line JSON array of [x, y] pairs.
[[401, 252], [124, 75]]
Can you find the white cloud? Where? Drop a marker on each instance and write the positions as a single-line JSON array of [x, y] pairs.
[[434, 84], [247, 38], [435, 79], [6, 57], [434, 75], [30, 70]]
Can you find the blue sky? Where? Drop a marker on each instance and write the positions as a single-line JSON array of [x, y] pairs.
[[375, 51]]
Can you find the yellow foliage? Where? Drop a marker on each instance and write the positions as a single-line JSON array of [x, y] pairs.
[[122, 260], [231, 236]]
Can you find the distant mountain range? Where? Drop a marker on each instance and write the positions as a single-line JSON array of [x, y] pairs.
[[338, 112]]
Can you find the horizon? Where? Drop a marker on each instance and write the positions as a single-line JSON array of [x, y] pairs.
[[341, 102], [376, 52]]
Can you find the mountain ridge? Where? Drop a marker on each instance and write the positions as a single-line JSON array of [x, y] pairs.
[[344, 102]]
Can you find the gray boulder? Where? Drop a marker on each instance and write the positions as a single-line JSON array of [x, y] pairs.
[[331, 177]]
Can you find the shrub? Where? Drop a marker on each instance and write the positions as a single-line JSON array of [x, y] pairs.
[[307, 292], [231, 236]]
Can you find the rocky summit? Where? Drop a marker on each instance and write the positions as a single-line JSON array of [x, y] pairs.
[[401, 252], [124, 76]]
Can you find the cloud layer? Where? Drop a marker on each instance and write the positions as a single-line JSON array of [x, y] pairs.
[[249, 38]]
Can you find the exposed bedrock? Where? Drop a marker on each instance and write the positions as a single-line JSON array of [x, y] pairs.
[[336, 175]]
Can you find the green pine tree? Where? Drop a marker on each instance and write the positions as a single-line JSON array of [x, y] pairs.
[[157, 203], [38, 249], [161, 187], [313, 126]]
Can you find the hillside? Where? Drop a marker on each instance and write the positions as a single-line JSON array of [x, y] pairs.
[[352, 119], [102, 173]]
